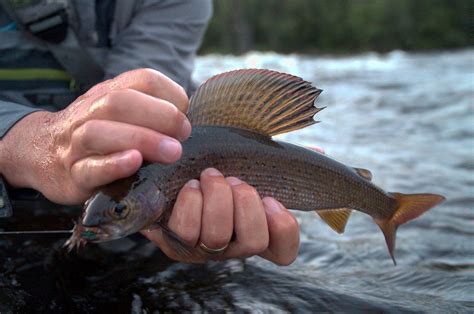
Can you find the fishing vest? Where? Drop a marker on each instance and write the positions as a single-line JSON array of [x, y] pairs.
[[52, 51]]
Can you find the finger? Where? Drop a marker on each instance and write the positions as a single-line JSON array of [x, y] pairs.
[[185, 220], [218, 211], [102, 137], [250, 222], [95, 171], [133, 107], [147, 81], [317, 149], [284, 233]]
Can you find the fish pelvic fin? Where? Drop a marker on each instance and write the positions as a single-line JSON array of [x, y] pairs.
[[186, 252], [409, 206], [262, 101], [336, 218]]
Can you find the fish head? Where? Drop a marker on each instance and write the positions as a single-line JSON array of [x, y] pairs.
[[109, 215]]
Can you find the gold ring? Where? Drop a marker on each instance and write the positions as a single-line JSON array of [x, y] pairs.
[[209, 250]]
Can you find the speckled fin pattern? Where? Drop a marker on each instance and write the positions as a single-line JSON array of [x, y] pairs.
[[263, 101]]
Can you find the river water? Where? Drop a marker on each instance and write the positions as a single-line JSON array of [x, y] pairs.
[[409, 118]]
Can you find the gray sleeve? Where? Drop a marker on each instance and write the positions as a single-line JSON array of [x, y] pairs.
[[11, 113], [163, 35]]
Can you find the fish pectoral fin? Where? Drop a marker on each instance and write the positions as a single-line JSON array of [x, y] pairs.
[[364, 173], [336, 218], [262, 101]]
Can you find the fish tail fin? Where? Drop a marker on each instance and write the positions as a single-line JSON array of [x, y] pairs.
[[409, 206]]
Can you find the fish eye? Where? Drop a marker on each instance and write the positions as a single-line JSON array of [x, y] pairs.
[[120, 210]]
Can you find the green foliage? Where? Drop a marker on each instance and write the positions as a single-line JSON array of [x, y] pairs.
[[341, 26]]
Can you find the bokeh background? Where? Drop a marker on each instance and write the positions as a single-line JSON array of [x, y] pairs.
[[338, 26]]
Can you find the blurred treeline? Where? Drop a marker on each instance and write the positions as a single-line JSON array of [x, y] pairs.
[[338, 26]]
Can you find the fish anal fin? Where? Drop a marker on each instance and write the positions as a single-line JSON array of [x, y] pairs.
[[262, 101], [364, 173], [408, 207], [336, 218]]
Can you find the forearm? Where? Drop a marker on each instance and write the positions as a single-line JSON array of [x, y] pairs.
[[14, 117], [19, 151], [10, 114]]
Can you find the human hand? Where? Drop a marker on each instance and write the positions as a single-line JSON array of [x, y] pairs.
[[104, 135], [211, 210]]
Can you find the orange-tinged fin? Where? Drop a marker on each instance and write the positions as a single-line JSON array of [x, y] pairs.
[[409, 206], [364, 173], [336, 218], [263, 101]]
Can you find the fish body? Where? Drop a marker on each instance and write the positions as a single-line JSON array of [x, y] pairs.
[[300, 178], [234, 116]]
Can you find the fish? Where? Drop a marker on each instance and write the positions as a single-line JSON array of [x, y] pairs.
[[234, 116]]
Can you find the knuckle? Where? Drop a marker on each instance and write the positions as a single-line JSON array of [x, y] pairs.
[[219, 183], [178, 116], [150, 77], [113, 97], [189, 193], [143, 140], [246, 202], [284, 260], [216, 241], [184, 105], [246, 193], [256, 247], [94, 89], [175, 116], [86, 132], [287, 225], [188, 236], [109, 166], [83, 174]]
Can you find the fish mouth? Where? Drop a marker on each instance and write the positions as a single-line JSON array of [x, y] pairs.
[[81, 235]]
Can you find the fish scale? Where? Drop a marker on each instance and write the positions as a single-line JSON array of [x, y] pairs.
[[296, 176]]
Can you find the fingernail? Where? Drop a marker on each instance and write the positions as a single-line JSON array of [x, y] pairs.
[[212, 172], [193, 184], [271, 204], [234, 181], [128, 159], [185, 130], [169, 149], [317, 149]]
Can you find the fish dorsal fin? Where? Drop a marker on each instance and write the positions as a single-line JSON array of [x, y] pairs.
[[364, 173], [336, 218], [263, 101]]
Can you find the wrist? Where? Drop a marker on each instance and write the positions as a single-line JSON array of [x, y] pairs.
[[18, 150]]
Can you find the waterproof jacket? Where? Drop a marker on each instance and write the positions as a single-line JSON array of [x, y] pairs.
[[120, 35], [117, 35]]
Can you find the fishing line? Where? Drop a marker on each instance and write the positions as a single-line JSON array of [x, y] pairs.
[[34, 232]]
